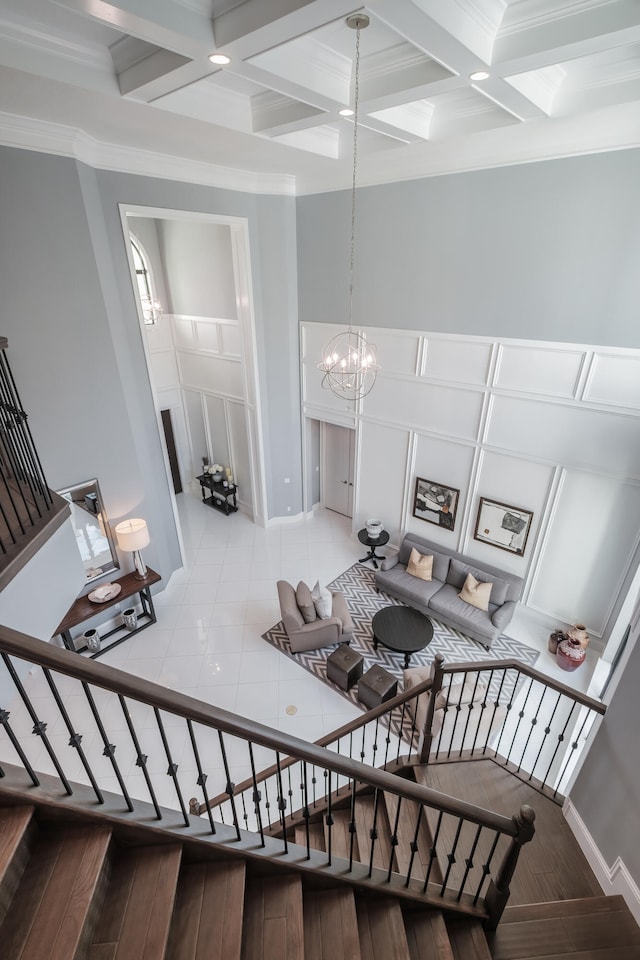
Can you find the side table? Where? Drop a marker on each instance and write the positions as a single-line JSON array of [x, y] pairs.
[[84, 609], [378, 541]]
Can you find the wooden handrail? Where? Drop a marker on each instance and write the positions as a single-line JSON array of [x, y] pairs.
[[556, 685], [109, 678]]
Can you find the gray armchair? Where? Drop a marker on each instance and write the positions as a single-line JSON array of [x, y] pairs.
[[303, 635]]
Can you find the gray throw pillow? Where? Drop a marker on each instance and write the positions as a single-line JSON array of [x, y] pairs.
[[305, 602]]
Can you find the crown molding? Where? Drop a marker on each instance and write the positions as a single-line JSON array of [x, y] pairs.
[[45, 137]]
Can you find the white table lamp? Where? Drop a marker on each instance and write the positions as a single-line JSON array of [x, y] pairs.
[[132, 536]]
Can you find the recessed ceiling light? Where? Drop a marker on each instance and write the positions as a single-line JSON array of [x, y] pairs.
[[220, 58], [479, 75], [346, 112]]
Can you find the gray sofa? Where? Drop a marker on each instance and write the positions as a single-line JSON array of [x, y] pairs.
[[439, 598]]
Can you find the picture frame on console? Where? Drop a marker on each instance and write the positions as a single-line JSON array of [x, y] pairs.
[[503, 526], [435, 503]]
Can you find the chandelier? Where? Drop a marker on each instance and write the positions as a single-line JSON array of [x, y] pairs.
[[349, 362]]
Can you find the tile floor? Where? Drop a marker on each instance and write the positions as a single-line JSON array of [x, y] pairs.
[[207, 644]]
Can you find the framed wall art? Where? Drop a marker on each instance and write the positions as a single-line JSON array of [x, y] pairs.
[[503, 526], [435, 503]]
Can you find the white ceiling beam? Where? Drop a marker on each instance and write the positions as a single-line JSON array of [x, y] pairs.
[[162, 22], [141, 79], [258, 25]]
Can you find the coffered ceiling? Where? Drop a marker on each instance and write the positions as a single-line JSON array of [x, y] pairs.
[[128, 84]]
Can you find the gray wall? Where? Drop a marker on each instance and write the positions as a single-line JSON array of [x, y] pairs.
[[606, 793], [199, 268], [543, 251]]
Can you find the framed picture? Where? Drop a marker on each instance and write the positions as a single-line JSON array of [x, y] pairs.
[[503, 526], [435, 503]]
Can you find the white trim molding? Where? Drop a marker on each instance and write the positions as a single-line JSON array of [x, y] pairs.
[[614, 879]]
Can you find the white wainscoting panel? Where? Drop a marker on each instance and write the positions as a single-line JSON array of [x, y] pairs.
[[428, 406], [159, 335], [320, 397], [552, 372], [214, 374], [516, 483], [381, 477], [449, 464], [313, 338], [206, 336], [570, 435], [396, 352], [164, 369], [615, 380], [585, 556], [183, 334], [459, 361], [230, 336]]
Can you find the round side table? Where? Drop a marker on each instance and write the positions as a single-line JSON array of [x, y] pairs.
[[379, 541]]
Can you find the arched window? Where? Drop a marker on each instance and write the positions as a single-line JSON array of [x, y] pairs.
[[151, 308]]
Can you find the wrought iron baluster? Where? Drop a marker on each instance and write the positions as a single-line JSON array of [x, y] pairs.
[[451, 856], [230, 787], [75, 738], [521, 714], [352, 824], [574, 746], [446, 707], [561, 737], [387, 739], [4, 721], [508, 706], [457, 708], [282, 804], [414, 845], [141, 758], [256, 795], [432, 851], [39, 726], [375, 742], [470, 708], [329, 817], [172, 770], [486, 867], [469, 862], [534, 721], [547, 731], [394, 837], [483, 706], [109, 748], [373, 832], [305, 809], [202, 776]]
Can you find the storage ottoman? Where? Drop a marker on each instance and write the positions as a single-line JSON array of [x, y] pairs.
[[376, 686], [344, 666]]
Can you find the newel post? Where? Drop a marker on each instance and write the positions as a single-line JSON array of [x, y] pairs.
[[437, 674], [498, 892]]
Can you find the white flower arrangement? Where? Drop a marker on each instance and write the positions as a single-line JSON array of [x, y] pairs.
[[216, 468]]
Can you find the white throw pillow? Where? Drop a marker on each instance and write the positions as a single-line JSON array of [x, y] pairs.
[[476, 592], [420, 564], [322, 600]]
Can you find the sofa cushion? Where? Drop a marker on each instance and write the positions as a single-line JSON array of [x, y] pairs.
[[414, 591], [420, 565], [440, 560], [476, 592], [322, 601], [457, 575], [305, 602], [447, 602]]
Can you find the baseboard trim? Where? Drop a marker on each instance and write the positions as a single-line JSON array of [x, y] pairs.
[[614, 879]]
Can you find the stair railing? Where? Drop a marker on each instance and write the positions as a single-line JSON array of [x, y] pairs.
[[26, 503], [530, 723], [86, 723]]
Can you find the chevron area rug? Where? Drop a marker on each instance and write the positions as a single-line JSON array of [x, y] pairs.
[[358, 586]]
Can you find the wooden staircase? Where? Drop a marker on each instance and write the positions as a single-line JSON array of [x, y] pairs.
[[80, 889]]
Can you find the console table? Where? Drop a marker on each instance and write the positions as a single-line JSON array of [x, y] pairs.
[[84, 609], [224, 498]]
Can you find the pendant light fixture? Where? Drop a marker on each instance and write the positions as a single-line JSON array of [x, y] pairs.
[[349, 362]]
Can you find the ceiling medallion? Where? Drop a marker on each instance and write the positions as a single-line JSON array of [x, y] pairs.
[[349, 364]]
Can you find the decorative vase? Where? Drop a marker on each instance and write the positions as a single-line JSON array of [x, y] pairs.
[[374, 528], [129, 618], [554, 640], [571, 653], [579, 634], [92, 640]]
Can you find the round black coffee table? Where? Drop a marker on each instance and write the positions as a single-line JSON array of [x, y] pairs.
[[402, 629]]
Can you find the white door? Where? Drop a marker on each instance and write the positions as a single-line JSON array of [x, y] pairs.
[[338, 457]]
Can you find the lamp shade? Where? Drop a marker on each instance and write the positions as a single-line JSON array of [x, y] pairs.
[[132, 535]]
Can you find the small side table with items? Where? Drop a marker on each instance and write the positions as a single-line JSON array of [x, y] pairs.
[[121, 589], [222, 493], [372, 543]]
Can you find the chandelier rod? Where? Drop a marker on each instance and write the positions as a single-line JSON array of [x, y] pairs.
[[358, 23]]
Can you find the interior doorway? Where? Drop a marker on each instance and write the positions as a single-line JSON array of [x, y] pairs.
[[338, 448]]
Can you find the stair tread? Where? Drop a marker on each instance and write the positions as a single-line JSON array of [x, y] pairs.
[[55, 901], [273, 924], [381, 929], [562, 908], [468, 940], [565, 935], [330, 925], [427, 936], [14, 852], [208, 912], [138, 904]]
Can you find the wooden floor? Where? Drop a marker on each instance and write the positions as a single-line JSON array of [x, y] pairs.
[[552, 866]]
